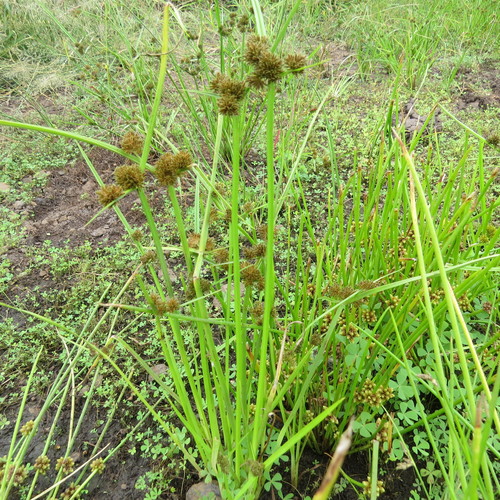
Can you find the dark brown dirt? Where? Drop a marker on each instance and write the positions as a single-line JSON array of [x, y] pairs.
[[61, 211], [121, 471], [397, 483], [480, 89]]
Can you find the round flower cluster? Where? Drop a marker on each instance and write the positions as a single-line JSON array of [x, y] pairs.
[[371, 396], [169, 167], [132, 143], [231, 93]]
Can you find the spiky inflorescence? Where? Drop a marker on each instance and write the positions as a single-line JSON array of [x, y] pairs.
[[182, 161], [169, 167], [256, 468], [191, 290], [159, 304], [231, 93], [172, 304], [109, 194], [261, 231], [223, 463], [367, 285], [129, 177], [257, 312], [148, 257], [256, 47], [295, 62], [234, 88], [315, 339], [255, 251], [221, 256], [337, 291], [194, 240], [132, 143], [228, 105], [166, 171], [243, 23], [251, 276], [255, 81], [216, 82], [269, 68], [137, 235]]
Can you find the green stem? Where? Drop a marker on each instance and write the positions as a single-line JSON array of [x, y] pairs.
[[69, 135], [260, 405], [159, 88], [180, 228], [239, 329]]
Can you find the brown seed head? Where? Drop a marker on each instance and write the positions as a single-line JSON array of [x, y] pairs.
[[256, 468], [172, 304], [194, 240], [191, 290], [149, 256], [243, 23], [270, 67], [221, 255], [132, 143], [159, 304], [367, 285], [129, 177], [166, 170], [182, 161], [137, 235], [108, 194], [255, 81], [234, 88], [295, 62], [256, 47], [261, 231], [217, 82], [228, 105], [251, 276]]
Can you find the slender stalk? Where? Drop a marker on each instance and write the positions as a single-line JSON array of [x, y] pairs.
[[234, 290], [456, 316], [260, 404], [374, 472]]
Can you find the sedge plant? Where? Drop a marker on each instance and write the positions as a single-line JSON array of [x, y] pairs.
[[320, 327], [226, 385]]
